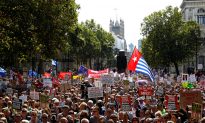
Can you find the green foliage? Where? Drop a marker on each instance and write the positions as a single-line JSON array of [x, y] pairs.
[[96, 42], [168, 39], [35, 27], [48, 29]]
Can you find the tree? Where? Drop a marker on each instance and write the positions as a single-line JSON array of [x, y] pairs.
[[168, 39], [30, 28], [96, 42]]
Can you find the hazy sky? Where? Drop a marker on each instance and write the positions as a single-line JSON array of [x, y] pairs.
[[131, 11]]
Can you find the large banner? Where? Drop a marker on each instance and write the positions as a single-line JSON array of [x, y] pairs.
[[189, 97], [97, 74]]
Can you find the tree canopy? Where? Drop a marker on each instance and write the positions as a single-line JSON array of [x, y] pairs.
[[30, 28], [168, 39]]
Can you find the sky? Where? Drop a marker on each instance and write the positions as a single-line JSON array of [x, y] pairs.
[[131, 11]]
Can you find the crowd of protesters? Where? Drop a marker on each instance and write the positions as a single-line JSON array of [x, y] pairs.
[[72, 105]]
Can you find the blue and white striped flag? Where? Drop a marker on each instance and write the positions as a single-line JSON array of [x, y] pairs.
[[142, 67]]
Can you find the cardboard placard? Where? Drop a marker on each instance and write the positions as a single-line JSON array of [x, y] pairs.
[[145, 91], [189, 97], [95, 92]]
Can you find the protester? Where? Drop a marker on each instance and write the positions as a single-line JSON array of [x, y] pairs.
[[76, 102]]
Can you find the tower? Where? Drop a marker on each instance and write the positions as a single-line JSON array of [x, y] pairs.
[[117, 27]]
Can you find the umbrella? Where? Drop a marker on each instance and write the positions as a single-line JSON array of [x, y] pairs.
[[2, 72]]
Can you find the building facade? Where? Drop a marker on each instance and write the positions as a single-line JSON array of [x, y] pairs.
[[194, 10]]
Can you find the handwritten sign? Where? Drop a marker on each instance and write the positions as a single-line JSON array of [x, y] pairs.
[[189, 97], [95, 92]]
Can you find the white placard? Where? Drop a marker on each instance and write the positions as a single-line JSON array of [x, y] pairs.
[[98, 84], [95, 92], [47, 82], [107, 79], [23, 98], [34, 95]]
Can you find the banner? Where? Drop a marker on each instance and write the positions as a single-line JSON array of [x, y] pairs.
[[145, 91], [189, 97], [97, 74], [172, 102], [95, 92]]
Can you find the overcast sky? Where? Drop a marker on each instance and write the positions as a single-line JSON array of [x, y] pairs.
[[131, 11]]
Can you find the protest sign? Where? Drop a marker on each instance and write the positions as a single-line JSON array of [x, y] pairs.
[[23, 98], [98, 84], [125, 102], [172, 102], [34, 95], [17, 104], [9, 91], [47, 82], [107, 79], [95, 92], [196, 111], [189, 97], [145, 91]]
